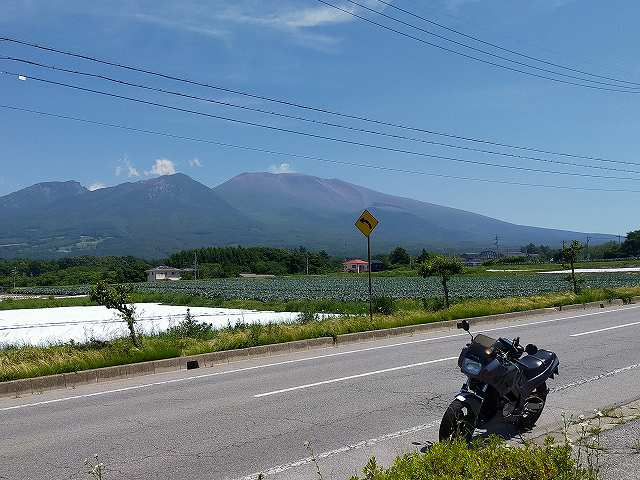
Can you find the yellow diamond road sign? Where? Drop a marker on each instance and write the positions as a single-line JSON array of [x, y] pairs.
[[366, 223]]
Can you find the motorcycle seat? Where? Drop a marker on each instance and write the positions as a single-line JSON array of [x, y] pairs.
[[534, 365]]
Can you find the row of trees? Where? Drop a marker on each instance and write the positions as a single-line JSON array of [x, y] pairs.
[[212, 263], [71, 271], [217, 262], [630, 247], [399, 257]]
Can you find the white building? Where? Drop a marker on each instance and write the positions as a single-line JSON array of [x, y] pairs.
[[163, 273]]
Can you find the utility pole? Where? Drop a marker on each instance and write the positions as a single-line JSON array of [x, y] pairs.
[[15, 272], [619, 240], [307, 264], [497, 244], [586, 252], [195, 265], [369, 272]]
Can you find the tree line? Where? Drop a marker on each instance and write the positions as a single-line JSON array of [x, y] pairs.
[[214, 262], [630, 247], [220, 262], [71, 271]]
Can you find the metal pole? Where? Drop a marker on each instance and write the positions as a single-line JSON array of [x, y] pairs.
[[195, 265], [369, 270]]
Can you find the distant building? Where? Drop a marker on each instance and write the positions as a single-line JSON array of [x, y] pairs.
[[516, 254], [475, 259], [377, 265], [356, 266], [163, 273]]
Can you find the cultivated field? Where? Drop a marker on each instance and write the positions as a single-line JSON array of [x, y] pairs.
[[354, 288]]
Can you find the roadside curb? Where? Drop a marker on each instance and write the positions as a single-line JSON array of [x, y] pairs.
[[591, 423], [35, 386]]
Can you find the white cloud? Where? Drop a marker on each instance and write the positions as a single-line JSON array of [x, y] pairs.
[[212, 18], [195, 163], [96, 186], [162, 166], [292, 17], [127, 168], [186, 24], [281, 168]]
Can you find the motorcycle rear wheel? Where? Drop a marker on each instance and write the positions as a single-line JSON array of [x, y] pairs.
[[459, 421], [540, 393]]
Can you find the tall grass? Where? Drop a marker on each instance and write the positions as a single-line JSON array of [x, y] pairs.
[[492, 459], [29, 361]]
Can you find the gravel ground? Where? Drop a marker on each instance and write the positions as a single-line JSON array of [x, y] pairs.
[[622, 461]]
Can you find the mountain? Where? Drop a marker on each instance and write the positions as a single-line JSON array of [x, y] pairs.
[[321, 212], [148, 218], [39, 195], [155, 217]]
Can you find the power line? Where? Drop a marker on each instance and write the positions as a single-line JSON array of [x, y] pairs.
[[303, 106], [309, 157], [311, 135], [514, 52], [485, 52], [478, 59], [314, 121]]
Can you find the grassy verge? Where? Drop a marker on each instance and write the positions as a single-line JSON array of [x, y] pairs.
[[493, 459], [25, 361]]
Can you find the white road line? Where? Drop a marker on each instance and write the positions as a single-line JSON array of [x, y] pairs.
[[350, 377], [604, 329], [578, 383], [298, 360], [344, 449]]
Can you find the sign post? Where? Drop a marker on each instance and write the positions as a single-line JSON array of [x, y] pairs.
[[366, 223]]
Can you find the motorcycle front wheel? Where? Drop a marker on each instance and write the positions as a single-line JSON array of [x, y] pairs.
[[458, 421]]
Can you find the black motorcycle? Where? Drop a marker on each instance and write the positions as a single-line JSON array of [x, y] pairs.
[[499, 381]]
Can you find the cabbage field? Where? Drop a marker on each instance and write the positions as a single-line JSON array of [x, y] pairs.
[[354, 288]]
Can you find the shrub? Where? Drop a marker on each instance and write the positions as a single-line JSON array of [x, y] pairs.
[[190, 328], [433, 304], [384, 305], [493, 459], [307, 315]]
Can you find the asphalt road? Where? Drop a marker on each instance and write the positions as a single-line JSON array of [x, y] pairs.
[[230, 422]]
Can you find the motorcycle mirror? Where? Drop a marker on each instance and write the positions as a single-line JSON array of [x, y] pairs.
[[531, 349], [464, 325]]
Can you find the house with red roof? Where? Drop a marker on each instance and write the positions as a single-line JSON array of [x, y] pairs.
[[356, 266]]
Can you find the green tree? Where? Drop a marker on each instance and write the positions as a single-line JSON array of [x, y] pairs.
[[399, 256], [570, 254], [631, 245], [423, 257], [117, 297], [443, 267]]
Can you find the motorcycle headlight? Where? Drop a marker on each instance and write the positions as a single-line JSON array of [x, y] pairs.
[[471, 367]]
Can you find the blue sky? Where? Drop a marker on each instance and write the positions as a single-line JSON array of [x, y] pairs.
[[309, 53]]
